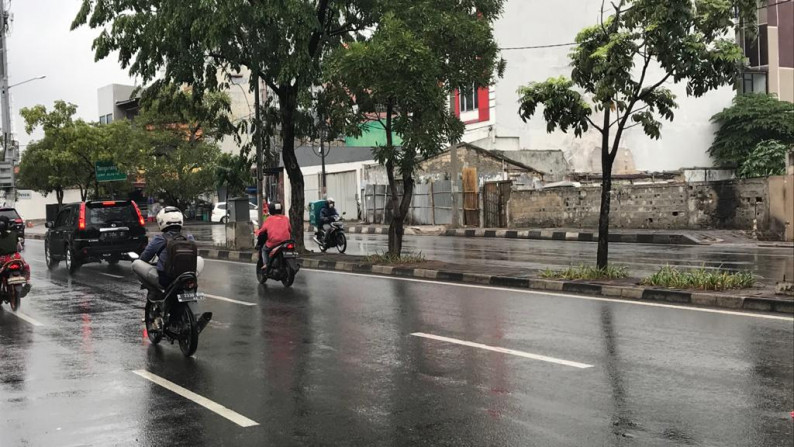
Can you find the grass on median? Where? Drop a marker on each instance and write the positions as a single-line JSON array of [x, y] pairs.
[[587, 272], [701, 279], [384, 258]]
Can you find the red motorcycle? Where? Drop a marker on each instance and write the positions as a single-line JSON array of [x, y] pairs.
[[12, 283]]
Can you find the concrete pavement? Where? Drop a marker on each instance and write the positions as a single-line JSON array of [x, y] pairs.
[[344, 359]]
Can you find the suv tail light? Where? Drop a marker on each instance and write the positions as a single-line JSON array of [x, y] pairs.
[[140, 216], [18, 221], [81, 221], [109, 203]]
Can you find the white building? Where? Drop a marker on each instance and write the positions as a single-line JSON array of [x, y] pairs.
[[497, 125]]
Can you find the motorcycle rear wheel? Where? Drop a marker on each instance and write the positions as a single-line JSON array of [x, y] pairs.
[[188, 333], [289, 278], [155, 335], [14, 300]]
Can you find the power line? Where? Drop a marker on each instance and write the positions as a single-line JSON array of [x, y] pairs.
[[536, 47]]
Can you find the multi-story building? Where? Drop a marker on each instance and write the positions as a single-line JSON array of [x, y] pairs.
[[770, 51], [115, 102]]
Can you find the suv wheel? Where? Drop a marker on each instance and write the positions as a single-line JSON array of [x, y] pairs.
[[51, 263], [71, 264]]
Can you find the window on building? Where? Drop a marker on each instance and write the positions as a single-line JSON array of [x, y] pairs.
[[754, 83], [102, 120], [469, 101], [756, 47], [108, 118]]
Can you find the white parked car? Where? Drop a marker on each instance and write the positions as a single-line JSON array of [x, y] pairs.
[[221, 214]]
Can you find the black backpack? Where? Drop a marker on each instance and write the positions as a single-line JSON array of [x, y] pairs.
[[181, 254]]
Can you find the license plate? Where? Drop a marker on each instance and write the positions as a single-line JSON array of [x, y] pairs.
[[17, 280], [113, 235], [290, 255], [189, 296]]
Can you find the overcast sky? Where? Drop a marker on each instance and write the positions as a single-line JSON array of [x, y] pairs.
[[40, 43]]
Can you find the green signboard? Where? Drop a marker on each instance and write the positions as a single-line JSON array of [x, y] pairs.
[[107, 171]]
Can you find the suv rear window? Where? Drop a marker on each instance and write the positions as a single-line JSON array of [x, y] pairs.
[[10, 214], [98, 213]]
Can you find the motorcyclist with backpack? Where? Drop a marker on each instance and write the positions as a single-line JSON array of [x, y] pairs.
[[169, 220]]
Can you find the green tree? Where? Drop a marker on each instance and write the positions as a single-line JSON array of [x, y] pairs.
[[39, 172], [70, 149], [233, 171], [182, 174], [767, 158], [180, 130], [282, 42], [403, 76], [751, 119], [611, 87]]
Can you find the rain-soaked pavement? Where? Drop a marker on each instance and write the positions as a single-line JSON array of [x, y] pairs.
[[770, 264], [353, 360]]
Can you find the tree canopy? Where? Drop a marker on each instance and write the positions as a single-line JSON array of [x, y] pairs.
[[752, 119]]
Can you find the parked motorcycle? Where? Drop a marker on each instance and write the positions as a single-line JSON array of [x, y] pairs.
[[172, 312], [12, 283], [282, 264], [335, 237]]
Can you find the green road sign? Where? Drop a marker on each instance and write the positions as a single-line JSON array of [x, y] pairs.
[[107, 171]]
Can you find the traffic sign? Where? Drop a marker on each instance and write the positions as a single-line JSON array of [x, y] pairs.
[[107, 171]]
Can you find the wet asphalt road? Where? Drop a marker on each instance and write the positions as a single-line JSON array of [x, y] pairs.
[[333, 361], [769, 264]]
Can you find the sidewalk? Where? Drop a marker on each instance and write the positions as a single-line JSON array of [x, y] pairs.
[[662, 237]]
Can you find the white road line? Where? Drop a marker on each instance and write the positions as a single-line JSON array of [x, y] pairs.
[[563, 295], [24, 317], [228, 300], [217, 408], [528, 355], [112, 276]]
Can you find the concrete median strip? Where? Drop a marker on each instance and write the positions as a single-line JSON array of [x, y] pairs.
[[216, 408], [619, 292], [527, 355]]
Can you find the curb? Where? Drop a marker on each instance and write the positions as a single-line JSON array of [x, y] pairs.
[[629, 293], [548, 235]]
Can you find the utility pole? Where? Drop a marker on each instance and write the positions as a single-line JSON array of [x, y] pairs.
[[5, 103], [259, 159], [322, 158]]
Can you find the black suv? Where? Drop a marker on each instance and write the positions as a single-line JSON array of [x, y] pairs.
[[93, 232], [16, 222]]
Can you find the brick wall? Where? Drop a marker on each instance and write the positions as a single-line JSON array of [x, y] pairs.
[[728, 204]]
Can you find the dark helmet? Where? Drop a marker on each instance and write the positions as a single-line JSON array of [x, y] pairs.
[[4, 224], [275, 208]]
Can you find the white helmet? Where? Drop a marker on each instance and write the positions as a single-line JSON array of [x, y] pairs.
[[330, 201], [170, 216]]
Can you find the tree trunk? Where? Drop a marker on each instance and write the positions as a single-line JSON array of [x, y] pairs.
[[396, 229], [288, 104], [59, 196], [602, 258]]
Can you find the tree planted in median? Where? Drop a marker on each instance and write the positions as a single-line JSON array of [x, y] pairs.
[[620, 69], [403, 76]]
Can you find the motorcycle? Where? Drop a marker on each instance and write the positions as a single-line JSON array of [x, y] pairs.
[[335, 237], [12, 283], [171, 312], [282, 264]]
